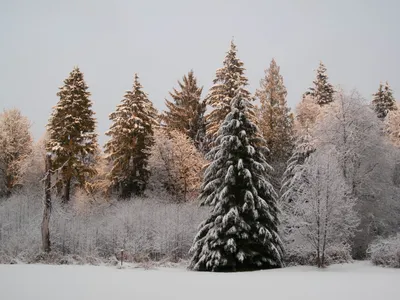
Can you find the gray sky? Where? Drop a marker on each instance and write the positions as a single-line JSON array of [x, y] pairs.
[[41, 41]]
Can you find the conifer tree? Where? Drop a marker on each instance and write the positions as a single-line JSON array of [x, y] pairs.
[[131, 139], [228, 79], [322, 91], [276, 120], [292, 177], [186, 111], [241, 233], [72, 137], [383, 101]]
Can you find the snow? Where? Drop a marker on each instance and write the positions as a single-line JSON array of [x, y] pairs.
[[355, 281]]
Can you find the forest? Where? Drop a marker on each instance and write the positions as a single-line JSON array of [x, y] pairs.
[[222, 180]]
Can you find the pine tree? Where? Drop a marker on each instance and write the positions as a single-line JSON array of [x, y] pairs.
[[322, 91], [186, 111], [276, 120], [131, 139], [72, 137], [228, 79], [241, 233], [383, 101]]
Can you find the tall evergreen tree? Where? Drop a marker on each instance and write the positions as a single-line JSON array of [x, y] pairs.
[[72, 137], [228, 79], [186, 111], [276, 120], [131, 135], [322, 91], [241, 233], [383, 101]]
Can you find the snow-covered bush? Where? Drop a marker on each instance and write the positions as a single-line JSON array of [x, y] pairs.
[[146, 228], [386, 252], [307, 256]]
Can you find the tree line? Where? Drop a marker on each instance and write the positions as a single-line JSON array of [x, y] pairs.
[[275, 180]]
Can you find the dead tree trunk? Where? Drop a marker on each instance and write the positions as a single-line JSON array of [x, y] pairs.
[[47, 206]]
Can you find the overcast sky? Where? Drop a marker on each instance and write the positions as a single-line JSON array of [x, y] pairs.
[[41, 41]]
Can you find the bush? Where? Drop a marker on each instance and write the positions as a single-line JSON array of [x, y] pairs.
[[148, 229], [386, 252], [296, 255]]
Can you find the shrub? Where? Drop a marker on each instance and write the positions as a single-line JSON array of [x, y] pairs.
[[148, 229], [386, 251]]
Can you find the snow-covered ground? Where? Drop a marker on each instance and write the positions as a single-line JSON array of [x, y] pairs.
[[340, 282]]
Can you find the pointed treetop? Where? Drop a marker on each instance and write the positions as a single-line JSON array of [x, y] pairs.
[[185, 113], [136, 80], [131, 133], [383, 100], [322, 91], [227, 81], [321, 67], [275, 119]]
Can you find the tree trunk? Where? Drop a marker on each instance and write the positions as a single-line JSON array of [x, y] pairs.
[[47, 207], [67, 188], [185, 189], [318, 235]]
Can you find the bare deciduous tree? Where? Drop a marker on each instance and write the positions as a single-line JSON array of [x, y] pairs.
[[15, 146], [367, 163], [323, 217], [177, 164]]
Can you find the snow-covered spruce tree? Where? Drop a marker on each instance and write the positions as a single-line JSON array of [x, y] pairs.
[[276, 120], [15, 147], [292, 177], [228, 79], [131, 135], [383, 101], [322, 91], [186, 111], [72, 137], [241, 233]]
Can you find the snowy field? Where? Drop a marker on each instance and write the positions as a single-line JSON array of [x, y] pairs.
[[340, 282]]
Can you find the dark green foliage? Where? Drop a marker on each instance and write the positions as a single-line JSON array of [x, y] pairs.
[[241, 233]]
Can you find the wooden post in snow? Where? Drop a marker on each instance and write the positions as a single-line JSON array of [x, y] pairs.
[[47, 206]]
